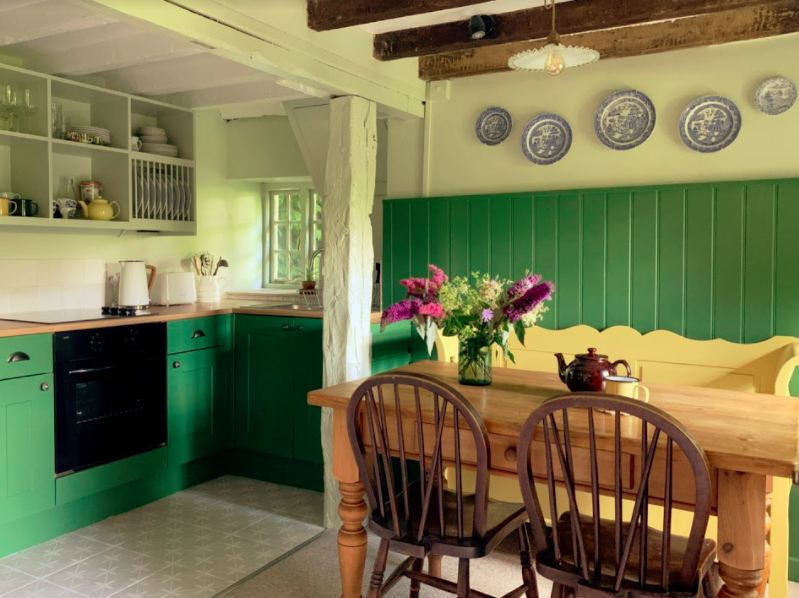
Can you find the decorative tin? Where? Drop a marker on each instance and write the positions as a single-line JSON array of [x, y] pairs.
[[775, 96], [625, 120], [709, 124], [546, 139], [494, 126]]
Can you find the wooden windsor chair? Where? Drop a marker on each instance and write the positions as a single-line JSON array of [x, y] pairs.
[[591, 556], [402, 471]]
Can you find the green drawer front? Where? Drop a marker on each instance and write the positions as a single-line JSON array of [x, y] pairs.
[[26, 355], [198, 333]]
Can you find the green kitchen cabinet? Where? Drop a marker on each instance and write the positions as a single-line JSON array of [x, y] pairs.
[[278, 361], [200, 404], [308, 376], [27, 423]]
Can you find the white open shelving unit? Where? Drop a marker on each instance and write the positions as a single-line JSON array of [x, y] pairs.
[[40, 167]]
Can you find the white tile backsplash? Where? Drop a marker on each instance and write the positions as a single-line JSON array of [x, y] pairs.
[[38, 285]]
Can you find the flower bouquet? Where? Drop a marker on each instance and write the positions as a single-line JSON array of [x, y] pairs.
[[480, 311]]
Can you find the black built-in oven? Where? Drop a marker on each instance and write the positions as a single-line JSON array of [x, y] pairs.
[[110, 394]]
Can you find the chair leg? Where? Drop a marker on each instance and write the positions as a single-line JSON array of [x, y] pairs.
[[463, 578], [528, 574], [376, 583], [557, 590], [415, 583], [434, 565]]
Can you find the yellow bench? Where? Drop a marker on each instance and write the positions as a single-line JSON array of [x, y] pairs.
[[665, 357]]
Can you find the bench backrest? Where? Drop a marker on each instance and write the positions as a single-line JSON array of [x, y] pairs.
[[660, 356]]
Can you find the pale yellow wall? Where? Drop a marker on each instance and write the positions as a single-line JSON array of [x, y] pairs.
[[229, 221], [405, 157], [767, 147], [263, 148]]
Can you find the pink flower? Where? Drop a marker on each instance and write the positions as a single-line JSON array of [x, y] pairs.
[[404, 310], [439, 277], [417, 287], [434, 310], [524, 285], [488, 315], [529, 301]]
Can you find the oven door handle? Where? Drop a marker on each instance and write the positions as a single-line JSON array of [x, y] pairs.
[[100, 369], [18, 356]]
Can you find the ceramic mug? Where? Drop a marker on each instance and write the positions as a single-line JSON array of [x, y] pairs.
[[7, 206], [626, 386], [135, 143], [25, 207], [209, 289]]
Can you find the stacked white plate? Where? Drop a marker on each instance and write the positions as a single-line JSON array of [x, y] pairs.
[[154, 141], [160, 149], [103, 134]]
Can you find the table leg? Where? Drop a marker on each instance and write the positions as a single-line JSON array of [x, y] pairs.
[[351, 509], [742, 528]]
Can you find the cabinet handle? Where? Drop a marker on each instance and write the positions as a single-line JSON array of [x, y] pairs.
[[510, 454], [198, 334], [176, 365], [286, 327], [300, 328], [45, 386], [18, 356]]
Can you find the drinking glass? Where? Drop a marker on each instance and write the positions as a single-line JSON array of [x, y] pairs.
[[58, 120], [30, 105], [15, 105], [5, 114]]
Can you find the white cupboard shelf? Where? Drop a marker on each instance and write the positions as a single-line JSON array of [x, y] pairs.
[[40, 167]]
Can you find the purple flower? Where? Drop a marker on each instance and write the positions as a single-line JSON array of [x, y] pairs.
[[488, 315], [529, 301], [404, 310], [524, 285]]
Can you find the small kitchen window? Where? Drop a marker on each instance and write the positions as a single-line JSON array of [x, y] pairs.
[[295, 232]]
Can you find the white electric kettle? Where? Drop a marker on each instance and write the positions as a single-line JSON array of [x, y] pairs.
[[134, 291]]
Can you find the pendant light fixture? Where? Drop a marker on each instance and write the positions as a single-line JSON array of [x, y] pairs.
[[554, 57]]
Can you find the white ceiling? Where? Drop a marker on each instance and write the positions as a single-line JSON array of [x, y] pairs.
[[451, 15], [59, 37]]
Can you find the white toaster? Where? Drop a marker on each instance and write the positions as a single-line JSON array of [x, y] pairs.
[[173, 288]]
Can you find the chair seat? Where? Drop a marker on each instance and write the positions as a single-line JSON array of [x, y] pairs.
[[565, 572], [502, 519]]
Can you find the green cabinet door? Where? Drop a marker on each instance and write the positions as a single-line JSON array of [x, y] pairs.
[[264, 384], [200, 406], [308, 376], [27, 463]]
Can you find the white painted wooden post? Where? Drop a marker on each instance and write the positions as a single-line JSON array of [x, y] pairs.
[[348, 259]]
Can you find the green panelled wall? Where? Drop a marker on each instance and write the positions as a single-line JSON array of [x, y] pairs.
[[704, 261]]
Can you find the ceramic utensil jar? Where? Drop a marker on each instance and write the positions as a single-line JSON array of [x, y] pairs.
[[209, 288]]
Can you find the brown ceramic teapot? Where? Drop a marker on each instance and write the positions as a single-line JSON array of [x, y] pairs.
[[588, 371]]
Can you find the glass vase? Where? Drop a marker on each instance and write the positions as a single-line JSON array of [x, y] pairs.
[[474, 362]]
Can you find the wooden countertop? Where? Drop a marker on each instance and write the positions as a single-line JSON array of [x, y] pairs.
[[739, 431], [163, 314]]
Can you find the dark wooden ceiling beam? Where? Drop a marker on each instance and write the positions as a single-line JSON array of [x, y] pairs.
[[535, 23], [751, 22], [324, 15]]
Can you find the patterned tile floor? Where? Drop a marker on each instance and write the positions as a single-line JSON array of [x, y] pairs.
[[195, 543]]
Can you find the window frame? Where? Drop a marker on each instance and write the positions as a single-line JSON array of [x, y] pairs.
[[307, 195]]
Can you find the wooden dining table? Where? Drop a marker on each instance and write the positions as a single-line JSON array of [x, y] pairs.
[[746, 441]]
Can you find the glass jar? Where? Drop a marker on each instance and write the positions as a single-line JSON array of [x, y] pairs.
[[474, 362]]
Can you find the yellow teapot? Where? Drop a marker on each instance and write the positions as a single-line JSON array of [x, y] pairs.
[[99, 209]]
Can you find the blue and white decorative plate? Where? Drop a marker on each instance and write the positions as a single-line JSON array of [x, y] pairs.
[[775, 96], [546, 139], [625, 120], [710, 124], [494, 126]]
